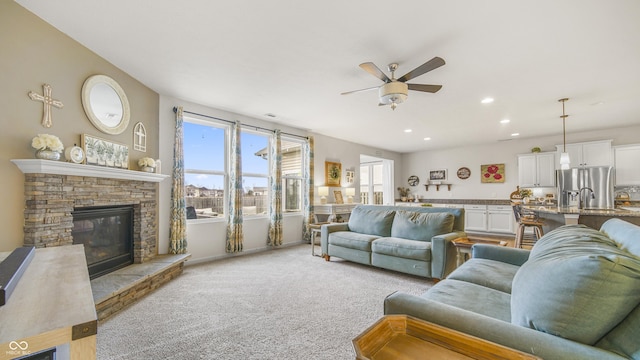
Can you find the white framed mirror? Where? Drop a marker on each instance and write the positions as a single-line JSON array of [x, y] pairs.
[[105, 104]]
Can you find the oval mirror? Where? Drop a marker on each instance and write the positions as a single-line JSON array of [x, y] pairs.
[[105, 104]]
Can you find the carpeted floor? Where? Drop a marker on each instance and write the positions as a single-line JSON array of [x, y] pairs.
[[279, 304]]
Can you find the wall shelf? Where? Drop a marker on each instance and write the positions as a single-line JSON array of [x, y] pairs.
[[38, 166], [426, 186]]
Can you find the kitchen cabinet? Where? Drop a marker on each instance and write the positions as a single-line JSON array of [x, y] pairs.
[[500, 218], [536, 170], [593, 153], [627, 164], [489, 218], [475, 217]]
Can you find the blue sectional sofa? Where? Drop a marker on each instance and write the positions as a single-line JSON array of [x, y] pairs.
[[413, 240], [575, 295]]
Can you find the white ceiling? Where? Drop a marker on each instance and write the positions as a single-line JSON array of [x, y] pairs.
[[294, 58]]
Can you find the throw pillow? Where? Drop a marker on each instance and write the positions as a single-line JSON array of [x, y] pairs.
[[577, 284], [371, 221], [421, 226]]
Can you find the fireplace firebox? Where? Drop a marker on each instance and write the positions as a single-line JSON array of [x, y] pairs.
[[107, 236]]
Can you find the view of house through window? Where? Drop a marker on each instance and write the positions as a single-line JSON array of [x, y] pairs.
[[206, 154]]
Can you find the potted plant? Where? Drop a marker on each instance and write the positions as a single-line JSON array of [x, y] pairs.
[[404, 192], [525, 194]]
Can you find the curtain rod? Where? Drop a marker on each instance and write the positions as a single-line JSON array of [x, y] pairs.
[[175, 109]]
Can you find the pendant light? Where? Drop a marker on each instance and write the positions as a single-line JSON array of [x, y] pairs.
[[565, 161]]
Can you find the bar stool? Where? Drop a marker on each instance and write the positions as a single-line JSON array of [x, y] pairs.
[[524, 221]]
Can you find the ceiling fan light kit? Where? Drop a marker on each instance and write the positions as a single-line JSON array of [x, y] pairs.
[[395, 91]]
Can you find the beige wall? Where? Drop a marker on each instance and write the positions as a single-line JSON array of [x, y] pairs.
[[34, 53]]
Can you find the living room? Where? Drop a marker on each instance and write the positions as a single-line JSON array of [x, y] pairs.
[[36, 53]]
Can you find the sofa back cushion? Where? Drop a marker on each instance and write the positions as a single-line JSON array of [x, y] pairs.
[[420, 226], [577, 284], [371, 221]]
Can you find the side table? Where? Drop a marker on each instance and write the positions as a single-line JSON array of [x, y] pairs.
[[463, 246], [315, 231]]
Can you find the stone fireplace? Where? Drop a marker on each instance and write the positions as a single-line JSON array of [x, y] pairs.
[[54, 190]]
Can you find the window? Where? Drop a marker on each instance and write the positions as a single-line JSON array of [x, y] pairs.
[[292, 175], [371, 187], [206, 158], [255, 173], [205, 171]]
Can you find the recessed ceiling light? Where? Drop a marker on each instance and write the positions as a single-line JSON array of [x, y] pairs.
[[487, 100], [408, 130], [427, 139], [505, 121], [515, 134]]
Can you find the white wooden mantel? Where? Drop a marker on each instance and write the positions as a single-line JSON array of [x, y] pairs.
[[38, 166]]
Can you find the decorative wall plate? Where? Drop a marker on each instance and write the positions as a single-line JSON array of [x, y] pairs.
[[464, 173], [413, 180]]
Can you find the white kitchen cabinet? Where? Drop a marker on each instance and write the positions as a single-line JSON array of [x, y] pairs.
[[627, 164], [536, 170], [593, 153], [475, 217], [500, 218]]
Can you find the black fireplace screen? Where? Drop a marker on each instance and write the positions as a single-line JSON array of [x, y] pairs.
[[107, 236]]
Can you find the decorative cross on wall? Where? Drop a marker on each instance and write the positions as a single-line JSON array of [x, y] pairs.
[[48, 101]]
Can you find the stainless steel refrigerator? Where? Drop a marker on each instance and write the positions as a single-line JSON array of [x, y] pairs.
[[588, 187]]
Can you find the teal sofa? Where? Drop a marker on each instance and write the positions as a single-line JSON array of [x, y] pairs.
[[412, 240], [575, 295]]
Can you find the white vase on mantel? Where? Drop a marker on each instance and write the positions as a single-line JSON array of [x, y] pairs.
[[148, 169]]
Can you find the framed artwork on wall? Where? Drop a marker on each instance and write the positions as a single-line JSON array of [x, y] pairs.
[[332, 173], [105, 153], [492, 173], [437, 175], [338, 195]]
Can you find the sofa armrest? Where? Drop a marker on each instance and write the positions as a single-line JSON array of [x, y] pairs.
[[500, 253], [327, 229], [443, 254], [531, 341]]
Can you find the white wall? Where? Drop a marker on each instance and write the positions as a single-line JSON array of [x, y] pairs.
[[419, 163], [347, 154]]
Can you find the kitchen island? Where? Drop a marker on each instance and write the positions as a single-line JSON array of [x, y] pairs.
[[555, 217]]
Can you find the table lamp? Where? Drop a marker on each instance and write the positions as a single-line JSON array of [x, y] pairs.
[[351, 192], [323, 191]]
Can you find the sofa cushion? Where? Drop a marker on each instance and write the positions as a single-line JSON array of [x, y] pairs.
[[407, 249], [577, 284], [371, 221], [421, 226], [471, 297], [490, 273], [623, 339], [352, 240]]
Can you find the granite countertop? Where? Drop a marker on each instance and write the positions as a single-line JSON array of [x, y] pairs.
[[594, 212], [463, 201]]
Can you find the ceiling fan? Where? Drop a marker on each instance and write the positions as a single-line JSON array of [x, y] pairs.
[[395, 91]]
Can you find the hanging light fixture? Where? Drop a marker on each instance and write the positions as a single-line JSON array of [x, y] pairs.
[[565, 161]]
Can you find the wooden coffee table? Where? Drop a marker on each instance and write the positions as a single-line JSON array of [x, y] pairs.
[[402, 337], [463, 246]]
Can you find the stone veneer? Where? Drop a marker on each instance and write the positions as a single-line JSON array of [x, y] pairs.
[[51, 199]]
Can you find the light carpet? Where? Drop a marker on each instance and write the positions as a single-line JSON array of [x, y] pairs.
[[278, 304]]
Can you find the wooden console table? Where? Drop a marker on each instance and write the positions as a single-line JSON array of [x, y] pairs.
[[51, 307], [402, 337]]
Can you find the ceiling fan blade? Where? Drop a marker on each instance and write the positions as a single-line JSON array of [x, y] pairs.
[[425, 88], [372, 69], [432, 64], [357, 91]]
